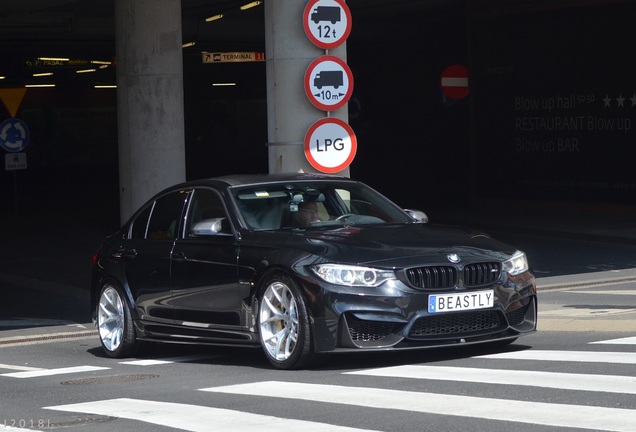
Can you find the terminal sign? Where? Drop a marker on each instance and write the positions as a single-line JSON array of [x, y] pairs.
[[233, 57], [327, 23], [330, 145], [328, 83]]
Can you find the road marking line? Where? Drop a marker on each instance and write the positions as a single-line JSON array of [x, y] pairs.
[[560, 415], [15, 429], [584, 312], [567, 381], [50, 372], [608, 292], [168, 360], [569, 356], [621, 341], [196, 418], [20, 368]]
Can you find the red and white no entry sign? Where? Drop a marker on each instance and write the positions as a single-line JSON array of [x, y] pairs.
[[454, 81], [327, 23], [328, 83], [330, 145]]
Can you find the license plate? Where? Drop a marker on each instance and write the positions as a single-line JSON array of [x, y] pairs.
[[461, 301]]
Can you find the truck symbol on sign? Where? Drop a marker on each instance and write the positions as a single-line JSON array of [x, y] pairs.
[[329, 78], [326, 13]]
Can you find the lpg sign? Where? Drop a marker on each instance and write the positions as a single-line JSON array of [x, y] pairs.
[[330, 145]]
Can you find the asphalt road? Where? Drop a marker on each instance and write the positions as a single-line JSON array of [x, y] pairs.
[[577, 371], [548, 381]]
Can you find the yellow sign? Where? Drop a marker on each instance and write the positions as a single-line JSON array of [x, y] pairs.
[[12, 98], [233, 57]]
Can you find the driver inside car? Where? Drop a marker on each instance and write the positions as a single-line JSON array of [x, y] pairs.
[[307, 214]]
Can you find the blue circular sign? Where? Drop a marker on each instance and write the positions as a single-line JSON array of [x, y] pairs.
[[14, 135]]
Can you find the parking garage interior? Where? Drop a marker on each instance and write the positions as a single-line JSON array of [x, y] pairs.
[[548, 120]]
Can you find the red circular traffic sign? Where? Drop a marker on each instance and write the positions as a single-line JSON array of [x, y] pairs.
[[330, 145], [327, 23], [328, 83], [454, 81]]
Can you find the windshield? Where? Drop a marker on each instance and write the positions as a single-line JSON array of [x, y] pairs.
[[313, 204]]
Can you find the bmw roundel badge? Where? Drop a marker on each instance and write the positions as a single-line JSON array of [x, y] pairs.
[[454, 258]]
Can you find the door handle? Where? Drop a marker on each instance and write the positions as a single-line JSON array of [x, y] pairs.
[[178, 256], [130, 253], [124, 253]]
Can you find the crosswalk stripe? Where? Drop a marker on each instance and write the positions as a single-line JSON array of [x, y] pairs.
[[570, 356], [196, 418], [621, 341], [49, 372], [566, 381], [168, 360], [561, 415]]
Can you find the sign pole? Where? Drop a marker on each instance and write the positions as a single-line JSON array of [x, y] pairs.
[[15, 195]]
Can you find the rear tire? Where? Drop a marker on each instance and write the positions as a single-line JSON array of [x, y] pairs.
[[284, 328], [114, 323]]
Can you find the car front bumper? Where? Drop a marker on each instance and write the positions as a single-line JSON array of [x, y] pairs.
[[397, 317]]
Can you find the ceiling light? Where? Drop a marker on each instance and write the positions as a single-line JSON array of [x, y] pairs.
[[188, 44], [227, 84], [86, 70], [105, 86], [43, 74], [214, 17], [39, 85], [101, 62], [3, 77], [54, 59], [250, 5]]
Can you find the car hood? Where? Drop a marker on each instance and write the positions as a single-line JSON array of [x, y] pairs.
[[391, 245]]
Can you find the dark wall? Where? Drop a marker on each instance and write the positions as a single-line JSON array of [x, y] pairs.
[[412, 139], [555, 103], [226, 127], [71, 158], [542, 120]]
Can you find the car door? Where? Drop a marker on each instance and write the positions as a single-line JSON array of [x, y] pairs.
[[147, 256], [206, 291]]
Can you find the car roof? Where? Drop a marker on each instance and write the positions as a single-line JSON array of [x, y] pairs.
[[254, 179]]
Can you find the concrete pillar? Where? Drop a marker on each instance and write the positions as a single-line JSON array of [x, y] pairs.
[[149, 99], [288, 53]]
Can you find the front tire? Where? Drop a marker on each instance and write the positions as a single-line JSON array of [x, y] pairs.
[[114, 323], [284, 329]]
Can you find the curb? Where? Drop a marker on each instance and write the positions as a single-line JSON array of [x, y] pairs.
[[611, 277], [44, 337]]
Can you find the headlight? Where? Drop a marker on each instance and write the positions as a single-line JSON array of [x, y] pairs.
[[352, 275], [516, 265]]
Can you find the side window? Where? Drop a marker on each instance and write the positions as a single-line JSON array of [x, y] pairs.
[[140, 225], [206, 205], [166, 213]]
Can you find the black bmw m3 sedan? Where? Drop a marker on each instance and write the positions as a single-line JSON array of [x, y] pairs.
[[301, 265]]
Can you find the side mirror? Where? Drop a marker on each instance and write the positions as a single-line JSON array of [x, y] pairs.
[[209, 227], [417, 215]]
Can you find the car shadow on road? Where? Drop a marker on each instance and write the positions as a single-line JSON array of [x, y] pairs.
[[254, 358]]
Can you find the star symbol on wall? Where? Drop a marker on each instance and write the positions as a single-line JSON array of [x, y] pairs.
[[620, 99], [607, 100]]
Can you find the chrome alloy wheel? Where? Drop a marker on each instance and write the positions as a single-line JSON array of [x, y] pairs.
[[111, 319], [278, 320]]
